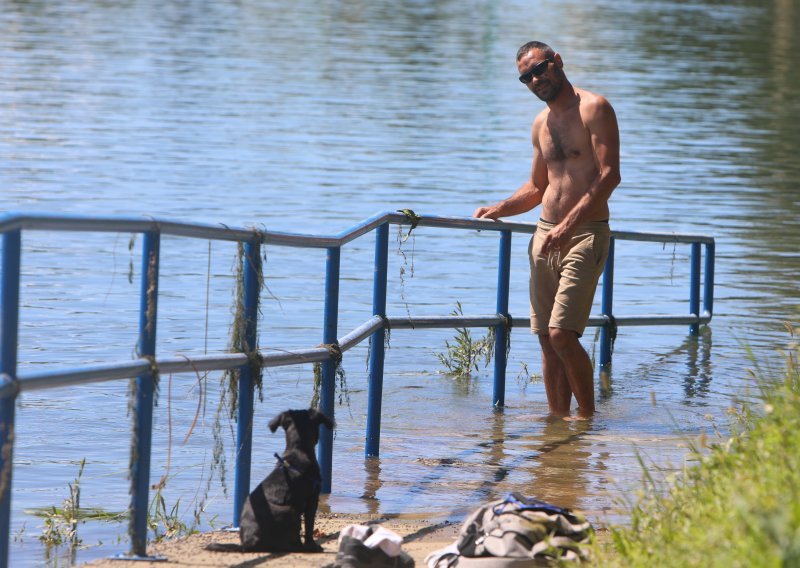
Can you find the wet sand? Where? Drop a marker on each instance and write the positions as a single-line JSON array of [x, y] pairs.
[[421, 536]]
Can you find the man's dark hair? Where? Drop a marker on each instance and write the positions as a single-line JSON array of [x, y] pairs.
[[543, 47]]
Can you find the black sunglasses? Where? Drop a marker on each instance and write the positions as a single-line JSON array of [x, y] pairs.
[[535, 71]]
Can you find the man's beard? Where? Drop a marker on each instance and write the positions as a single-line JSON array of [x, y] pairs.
[[551, 91]]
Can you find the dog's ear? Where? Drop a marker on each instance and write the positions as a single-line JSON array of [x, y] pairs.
[[277, 421], [318, 418]]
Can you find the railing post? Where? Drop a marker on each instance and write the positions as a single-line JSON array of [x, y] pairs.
[[708, 282], [328, 387], [694, 291], [377, 348], [9, 328], [143, 404], [501, 330], [244, 424], [606, 306]]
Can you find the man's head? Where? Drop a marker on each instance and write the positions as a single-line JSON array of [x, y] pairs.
[[541, 70]]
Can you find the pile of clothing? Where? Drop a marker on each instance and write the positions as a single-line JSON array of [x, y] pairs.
[[516, 531]]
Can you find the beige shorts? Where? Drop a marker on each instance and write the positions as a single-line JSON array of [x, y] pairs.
[[562, 285]]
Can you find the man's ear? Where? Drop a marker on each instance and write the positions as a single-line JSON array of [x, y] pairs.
[[277, 421]]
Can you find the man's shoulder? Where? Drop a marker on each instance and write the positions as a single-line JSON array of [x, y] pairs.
[[595, 106], [541, 117], [593, 101]]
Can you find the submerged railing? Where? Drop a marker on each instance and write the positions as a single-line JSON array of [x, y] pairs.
[[148, 364]]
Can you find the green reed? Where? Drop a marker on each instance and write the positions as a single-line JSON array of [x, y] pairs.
[[462, 357], [738, 504]]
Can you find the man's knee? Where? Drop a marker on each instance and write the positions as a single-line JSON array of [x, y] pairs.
[[547, 347], [563, 340]]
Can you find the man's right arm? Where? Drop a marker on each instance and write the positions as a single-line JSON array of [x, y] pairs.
[[524, 199], [529, 195]]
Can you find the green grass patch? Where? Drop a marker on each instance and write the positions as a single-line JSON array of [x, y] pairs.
[[463, 356], [735, 503]]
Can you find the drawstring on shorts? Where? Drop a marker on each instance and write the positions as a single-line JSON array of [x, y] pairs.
[[554, 259]]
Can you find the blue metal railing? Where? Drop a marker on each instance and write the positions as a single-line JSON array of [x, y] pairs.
[[145, 368]]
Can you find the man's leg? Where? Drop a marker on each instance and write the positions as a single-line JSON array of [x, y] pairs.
[[556, 385], [577, 367]]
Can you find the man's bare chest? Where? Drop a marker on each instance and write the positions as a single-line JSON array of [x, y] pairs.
[[564, 140]]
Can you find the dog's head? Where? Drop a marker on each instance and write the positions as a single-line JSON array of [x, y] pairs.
[[302, 427]]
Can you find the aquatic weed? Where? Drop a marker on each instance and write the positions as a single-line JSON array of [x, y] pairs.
[[462, 357], [229, 379], [341, 377], [525, 377], [61, 523], [238, 340], [413, 220]]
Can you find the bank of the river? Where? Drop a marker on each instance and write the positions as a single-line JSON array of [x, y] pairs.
[[739, 506], [421, 537]]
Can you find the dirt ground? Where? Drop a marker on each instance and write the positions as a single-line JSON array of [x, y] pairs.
[[421, 536]]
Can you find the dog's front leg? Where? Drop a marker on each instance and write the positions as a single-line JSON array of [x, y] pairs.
[[309, 516]]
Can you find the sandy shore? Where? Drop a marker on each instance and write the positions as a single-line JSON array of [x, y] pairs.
[[421, 537]]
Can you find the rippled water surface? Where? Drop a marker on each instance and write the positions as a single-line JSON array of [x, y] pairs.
[[311, 116]]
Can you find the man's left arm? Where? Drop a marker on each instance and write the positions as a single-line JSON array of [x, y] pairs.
[[604, 132]]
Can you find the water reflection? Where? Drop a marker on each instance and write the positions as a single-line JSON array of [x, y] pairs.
[[559, 461], [556, 464], [372, 485], [606, 385], [698, 377], [496, 453]]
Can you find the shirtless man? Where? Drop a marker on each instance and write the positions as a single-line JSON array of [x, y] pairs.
[[575, 169]]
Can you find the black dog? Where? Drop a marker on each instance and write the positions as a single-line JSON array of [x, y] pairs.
[[270, 520]]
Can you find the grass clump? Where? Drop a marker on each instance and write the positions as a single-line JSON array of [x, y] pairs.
[[739, 504], [61, 524], [463, 356], [165, 522]]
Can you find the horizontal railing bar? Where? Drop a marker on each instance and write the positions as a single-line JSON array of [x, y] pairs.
[[442, 322], [298, 240], [496, 225], [661, 237], [469, 223], [44, 222], [368, 225], [652, 319], [661, 320], [82, 375], [360, 333], [41, 221], [296, 357], [182, 364], [129, 369], [204, 231], [629, 321]]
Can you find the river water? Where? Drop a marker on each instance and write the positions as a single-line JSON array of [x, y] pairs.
[[311, 116]]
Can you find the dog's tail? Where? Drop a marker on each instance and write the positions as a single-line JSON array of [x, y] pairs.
[[224, 547]]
